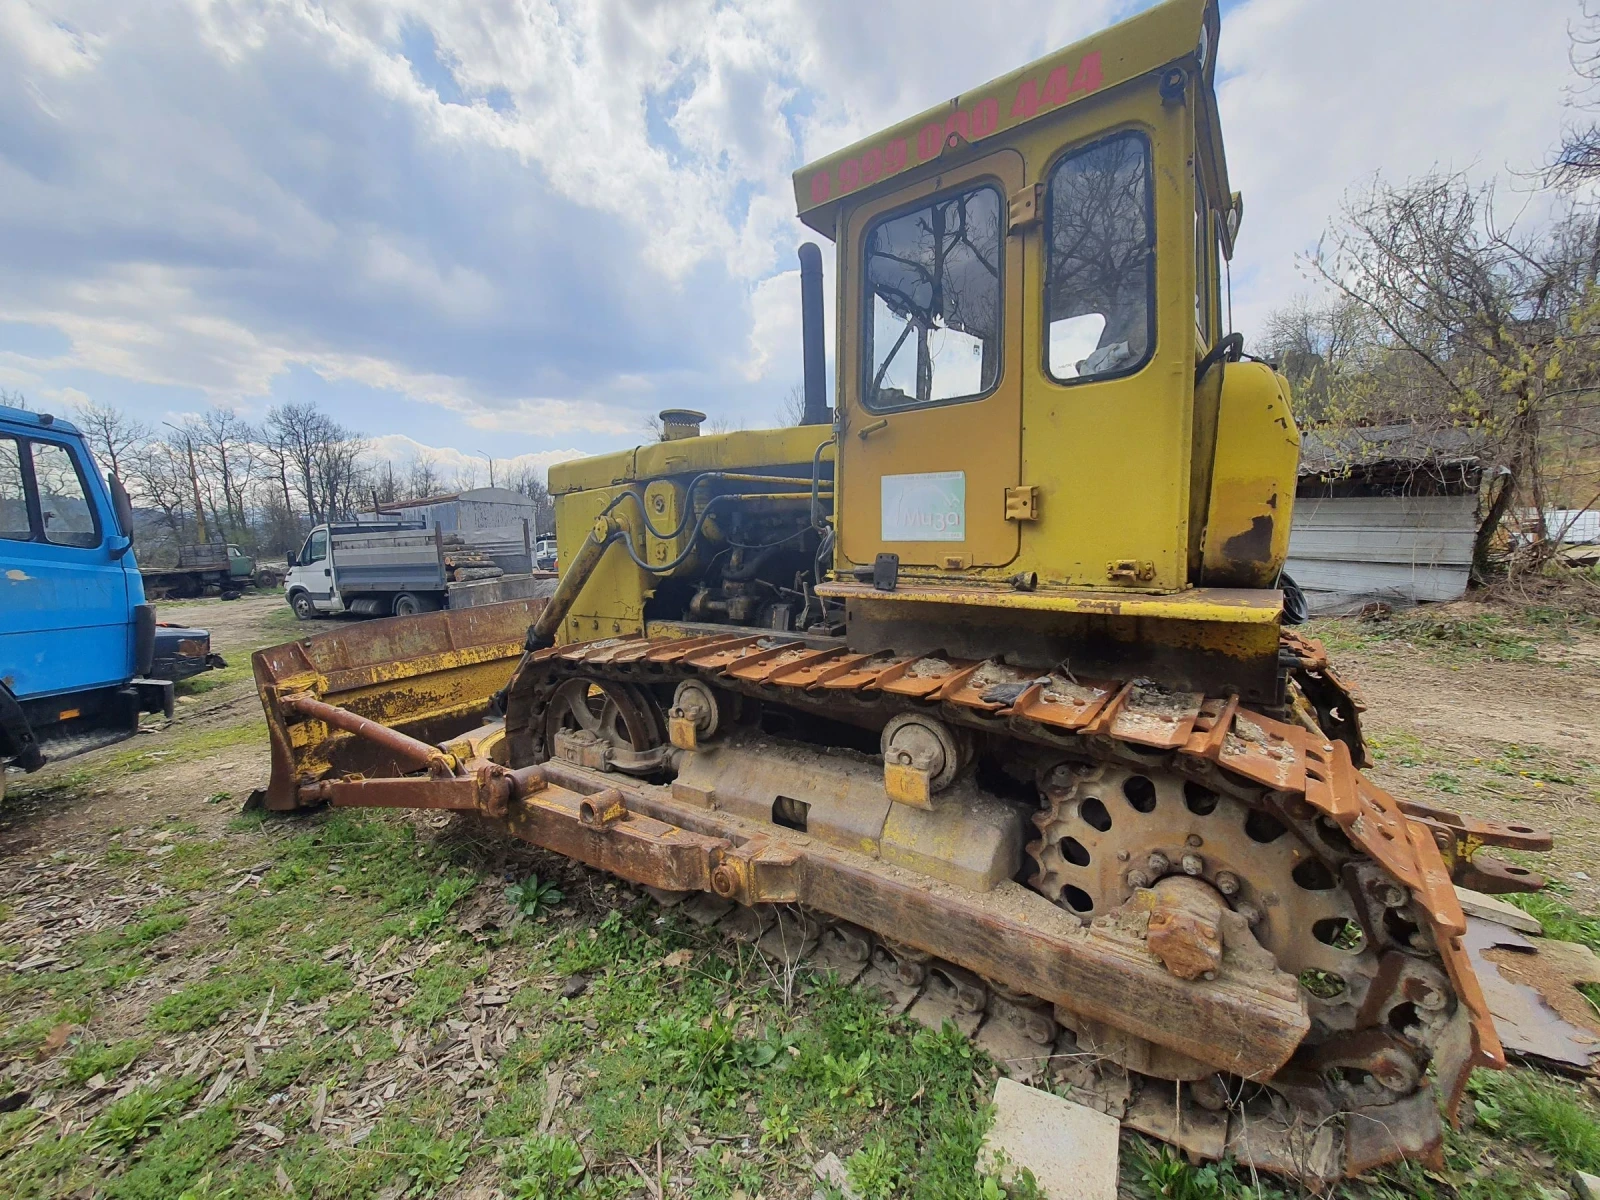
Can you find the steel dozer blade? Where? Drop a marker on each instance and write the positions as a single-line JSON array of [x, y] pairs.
[[429, 678]]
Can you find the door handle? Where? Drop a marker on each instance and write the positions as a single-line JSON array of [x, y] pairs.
[[867, 431], [326, 571]]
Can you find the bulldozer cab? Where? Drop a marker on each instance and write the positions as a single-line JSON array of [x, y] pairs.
[[1027, 278]]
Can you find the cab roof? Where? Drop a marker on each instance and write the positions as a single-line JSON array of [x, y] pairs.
[[1157, 37], [24, 416]]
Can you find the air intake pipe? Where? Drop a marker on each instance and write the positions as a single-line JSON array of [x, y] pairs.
[[815, 358]]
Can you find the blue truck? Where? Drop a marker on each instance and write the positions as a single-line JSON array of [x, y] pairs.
[[78, 642]]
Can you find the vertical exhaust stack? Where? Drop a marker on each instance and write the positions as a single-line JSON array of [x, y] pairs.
[[811, 334]]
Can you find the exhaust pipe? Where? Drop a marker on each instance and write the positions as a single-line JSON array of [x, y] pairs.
[[815, 357]]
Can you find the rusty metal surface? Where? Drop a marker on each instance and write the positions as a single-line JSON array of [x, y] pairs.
[[1526, 1016], [1286, 758], [430, 675], [1246, 1022], [404, 747], [1229, 606], [1336, 703]]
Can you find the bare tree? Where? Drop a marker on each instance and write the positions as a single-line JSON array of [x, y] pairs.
[[297, 431], [793, 409], [229, 451], [1578, 159], [528, 480], [422, 479], [320, 457], [111, 433], [1460, 321], [158, 477]]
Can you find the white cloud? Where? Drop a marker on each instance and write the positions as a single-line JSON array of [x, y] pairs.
[[452, 464], [543, 220], [1318, 98]]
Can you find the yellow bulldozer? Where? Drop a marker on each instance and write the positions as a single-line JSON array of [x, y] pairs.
[[982, 672]]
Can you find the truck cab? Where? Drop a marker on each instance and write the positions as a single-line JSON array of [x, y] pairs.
[[309, 584], [76, 635]]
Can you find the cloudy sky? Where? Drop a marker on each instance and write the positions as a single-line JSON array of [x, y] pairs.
[[518, 227]]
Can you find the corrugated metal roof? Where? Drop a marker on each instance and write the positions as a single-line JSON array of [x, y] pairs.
[[1324, 451]]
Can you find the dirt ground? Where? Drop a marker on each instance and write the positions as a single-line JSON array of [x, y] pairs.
[[134, 836], [1508, 740]]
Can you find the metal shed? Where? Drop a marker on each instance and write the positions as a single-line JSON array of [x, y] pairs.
[[462, 512], [1385, 515], [496, 522]]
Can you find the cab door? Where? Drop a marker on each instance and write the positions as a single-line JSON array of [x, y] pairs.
[[315, 569], [65, 611], [931, 371]]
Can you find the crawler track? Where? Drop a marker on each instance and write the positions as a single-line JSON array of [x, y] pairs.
[[1134, 786]]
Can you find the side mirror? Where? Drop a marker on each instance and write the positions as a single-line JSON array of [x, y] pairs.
[[293, 562], [123, 507]]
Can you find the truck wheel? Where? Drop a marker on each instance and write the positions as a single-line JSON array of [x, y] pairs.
[[409, 604], [302, 605]]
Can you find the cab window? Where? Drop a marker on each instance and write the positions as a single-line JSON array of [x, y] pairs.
[[14, 523], [1100, 277], [316, 548], [69, 518], [933, 292]]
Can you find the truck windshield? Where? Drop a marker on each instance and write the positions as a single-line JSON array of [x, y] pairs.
[[933, 302], [69, 518], [1099, 282]]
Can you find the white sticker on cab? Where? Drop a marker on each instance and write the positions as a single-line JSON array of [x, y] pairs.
[[930, 507]]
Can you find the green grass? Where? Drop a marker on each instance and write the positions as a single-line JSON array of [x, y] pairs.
[[1561, 921], [650, 1049], [140, 1113], [1536, 1110], [210, 681], [180, 746], [91, 1058], [661, 1051], [202, 1004], [1513, 636]]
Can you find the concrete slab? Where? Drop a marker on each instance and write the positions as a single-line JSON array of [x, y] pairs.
[[1070, 1148], [1586, 1186], [1492, 908]]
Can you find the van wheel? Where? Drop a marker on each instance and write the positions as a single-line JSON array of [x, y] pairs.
[[409, 604], [302, 605]]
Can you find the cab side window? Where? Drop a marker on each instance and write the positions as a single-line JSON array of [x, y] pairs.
[[933, 317], [69, 518], [1100, 277], [316, 548], [14, 523]]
